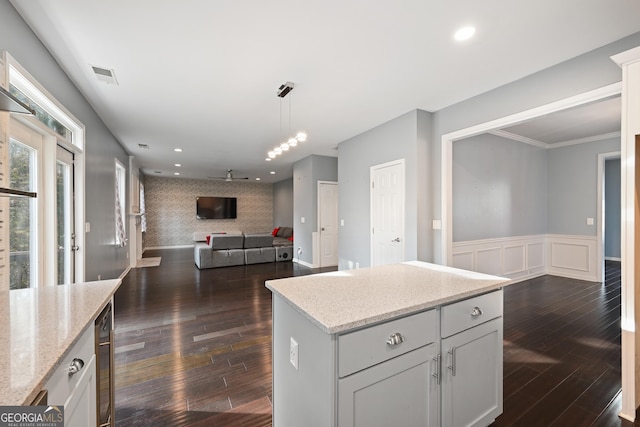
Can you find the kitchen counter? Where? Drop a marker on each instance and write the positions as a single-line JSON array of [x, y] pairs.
[[343, 300], [39, 327]]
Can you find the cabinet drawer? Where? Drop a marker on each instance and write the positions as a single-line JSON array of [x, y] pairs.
[[366, 347], [61, 383], [468, 313]]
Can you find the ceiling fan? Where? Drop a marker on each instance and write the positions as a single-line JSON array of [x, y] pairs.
[[229, 177]]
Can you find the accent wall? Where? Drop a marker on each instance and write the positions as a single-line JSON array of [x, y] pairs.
[[171, 209]]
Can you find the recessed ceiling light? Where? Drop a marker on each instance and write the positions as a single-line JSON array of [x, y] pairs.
[[272, 172], [176, 173], [178, 150], [268, 159], [177, 165], [464, 33], [257, 179]]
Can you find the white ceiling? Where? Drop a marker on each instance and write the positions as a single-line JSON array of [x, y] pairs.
[[202, 75]]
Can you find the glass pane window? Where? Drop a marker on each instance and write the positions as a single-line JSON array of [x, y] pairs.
[[120, 198], [22, 217], [63, 221], [42, 115]]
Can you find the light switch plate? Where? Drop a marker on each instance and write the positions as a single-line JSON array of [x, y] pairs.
[[437, 224], [589, 221]]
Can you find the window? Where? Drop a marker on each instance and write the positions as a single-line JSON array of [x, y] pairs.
[[38, 227], [23, 223], [120, 198]]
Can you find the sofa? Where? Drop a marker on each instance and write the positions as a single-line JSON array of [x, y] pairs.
[[224, 249]]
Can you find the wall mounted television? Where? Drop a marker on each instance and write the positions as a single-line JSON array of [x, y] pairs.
[[216, 207]]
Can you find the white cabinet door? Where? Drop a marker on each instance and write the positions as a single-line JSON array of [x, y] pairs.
[[472, 376], [399, 392], [80, 407]]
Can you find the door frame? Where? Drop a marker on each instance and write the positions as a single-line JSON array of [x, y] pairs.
[[446, 162], [318, 216], [399, 162], [602, 158]]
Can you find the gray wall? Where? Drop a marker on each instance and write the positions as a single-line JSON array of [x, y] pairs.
[[405, 137], [612, 217], [102, 257], [283, 203], [171, 209], [306, 174], [572, 184], [499, 188], [578, 75]]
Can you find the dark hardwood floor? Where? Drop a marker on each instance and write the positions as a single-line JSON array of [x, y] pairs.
[[193, 347]]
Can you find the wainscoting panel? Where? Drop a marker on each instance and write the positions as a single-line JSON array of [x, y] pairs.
[[515, 259], [463, 260], [572, 256], [489, 260], [524, 257]]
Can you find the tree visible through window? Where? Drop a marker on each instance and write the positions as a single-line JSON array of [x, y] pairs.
[[21, 165]]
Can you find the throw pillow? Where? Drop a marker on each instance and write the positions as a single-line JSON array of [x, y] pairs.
[[209, 240], [275, 231], [281, 231]]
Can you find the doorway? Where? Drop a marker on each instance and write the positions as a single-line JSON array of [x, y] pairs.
[[387, 212]]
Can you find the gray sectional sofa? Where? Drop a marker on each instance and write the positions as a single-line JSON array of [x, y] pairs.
[[235, 248]]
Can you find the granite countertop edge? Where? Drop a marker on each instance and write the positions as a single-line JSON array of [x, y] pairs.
[[45, 365], [381, 315]]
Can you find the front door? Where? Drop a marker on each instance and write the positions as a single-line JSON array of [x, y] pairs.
[[387, 213]]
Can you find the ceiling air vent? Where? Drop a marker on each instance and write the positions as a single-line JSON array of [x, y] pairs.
[[105, 75], [143, 146]]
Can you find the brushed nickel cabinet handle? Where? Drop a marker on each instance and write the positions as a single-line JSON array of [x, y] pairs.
[[395, 339]]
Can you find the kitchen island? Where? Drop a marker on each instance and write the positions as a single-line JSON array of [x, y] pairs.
[[403, 344], [40, 328]]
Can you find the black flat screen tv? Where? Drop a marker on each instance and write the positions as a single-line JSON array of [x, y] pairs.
[[216, 207]]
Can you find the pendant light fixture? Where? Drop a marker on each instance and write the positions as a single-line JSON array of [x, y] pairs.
[[292, 141]]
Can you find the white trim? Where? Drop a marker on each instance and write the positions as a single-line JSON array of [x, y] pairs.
[[612, 258], [449, 138], [519, 138], [630, 63], [587, 139]]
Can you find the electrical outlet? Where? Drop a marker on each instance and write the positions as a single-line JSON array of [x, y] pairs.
[[299, 251], [293, 353], [357, 264], [99, 276]]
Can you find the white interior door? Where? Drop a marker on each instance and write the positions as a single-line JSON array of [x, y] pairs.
[[387, 213], [328, 223]]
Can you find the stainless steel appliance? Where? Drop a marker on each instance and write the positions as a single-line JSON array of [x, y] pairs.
[[104, 364]]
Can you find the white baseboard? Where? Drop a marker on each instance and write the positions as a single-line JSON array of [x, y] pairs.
[[524, 257], [611, 258], [303, 263]]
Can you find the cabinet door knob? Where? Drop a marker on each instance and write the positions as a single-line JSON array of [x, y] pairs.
[[395, 339], [75, 366], [476, 312]]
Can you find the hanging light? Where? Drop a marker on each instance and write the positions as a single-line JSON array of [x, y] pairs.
[[301, 136], [292, 142]]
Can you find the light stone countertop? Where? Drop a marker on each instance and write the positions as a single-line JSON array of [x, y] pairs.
[[39, 327], [344, 300]]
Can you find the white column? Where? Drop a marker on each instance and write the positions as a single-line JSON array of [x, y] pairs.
[[630, 63]]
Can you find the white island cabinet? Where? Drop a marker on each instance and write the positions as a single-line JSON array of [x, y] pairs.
[[410, 344]]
